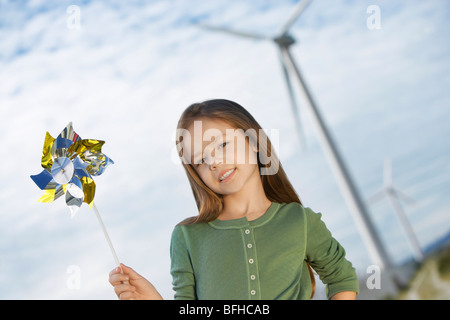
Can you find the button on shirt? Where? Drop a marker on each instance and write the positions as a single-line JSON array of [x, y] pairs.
[[258, 259]]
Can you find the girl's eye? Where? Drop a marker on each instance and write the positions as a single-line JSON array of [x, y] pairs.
[[223, 144], [201, 162]]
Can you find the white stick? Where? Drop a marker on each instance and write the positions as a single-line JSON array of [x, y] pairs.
[[106, 235], [116, 259]]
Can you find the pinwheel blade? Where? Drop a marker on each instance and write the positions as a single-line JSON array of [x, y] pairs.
[[75, 188], [97, 161], [89, 190], [80, 168], [42, 179], [47, 159], [81, 146], [69, 133], [73, 203], [51, 195]]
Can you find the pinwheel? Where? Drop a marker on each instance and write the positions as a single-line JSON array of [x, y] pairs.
[[69, 163]]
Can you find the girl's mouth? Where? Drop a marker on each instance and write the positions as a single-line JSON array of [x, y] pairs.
[[227, 175]]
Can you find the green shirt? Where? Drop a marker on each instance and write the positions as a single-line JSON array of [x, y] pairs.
[[259, 259]]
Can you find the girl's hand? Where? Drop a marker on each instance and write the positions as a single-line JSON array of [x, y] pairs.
[[130, 285]]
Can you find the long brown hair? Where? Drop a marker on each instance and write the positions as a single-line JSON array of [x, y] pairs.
[[277, 186]]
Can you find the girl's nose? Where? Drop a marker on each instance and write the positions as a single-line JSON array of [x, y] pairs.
[[214, 162]]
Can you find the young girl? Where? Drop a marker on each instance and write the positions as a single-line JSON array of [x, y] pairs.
[[252, 238]]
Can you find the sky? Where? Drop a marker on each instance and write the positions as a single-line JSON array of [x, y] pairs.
[[123, 72]]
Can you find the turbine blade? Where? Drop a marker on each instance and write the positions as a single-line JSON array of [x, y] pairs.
[[405, 198], [301, 6], [387, 172], [406, 224], [377, 196], [295, 109], [233, 32]]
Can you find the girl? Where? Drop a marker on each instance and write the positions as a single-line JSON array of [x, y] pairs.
[[252, 238]]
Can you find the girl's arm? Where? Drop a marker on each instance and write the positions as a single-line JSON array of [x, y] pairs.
[[181, 266], [344, 295], [327, 258]]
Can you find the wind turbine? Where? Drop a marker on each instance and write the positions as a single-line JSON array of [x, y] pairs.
[[394, 196], [284, 41]]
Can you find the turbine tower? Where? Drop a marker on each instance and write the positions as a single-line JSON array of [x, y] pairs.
[[394, 196], [284, 41]]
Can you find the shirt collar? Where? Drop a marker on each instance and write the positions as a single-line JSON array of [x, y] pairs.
[[243, 222]]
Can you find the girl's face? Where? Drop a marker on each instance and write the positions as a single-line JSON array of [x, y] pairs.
[[221, 155]]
